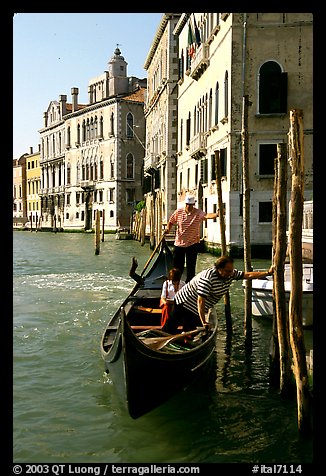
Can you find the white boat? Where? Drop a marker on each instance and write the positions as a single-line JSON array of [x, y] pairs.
[[262, 299], [123, 233]]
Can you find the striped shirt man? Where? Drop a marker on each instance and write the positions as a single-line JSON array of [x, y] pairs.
[[203, 292], [207, 284]]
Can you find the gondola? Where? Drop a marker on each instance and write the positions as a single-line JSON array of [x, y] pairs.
[[146, 365]]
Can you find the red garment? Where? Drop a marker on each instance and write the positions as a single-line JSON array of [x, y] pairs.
[[188, 226]]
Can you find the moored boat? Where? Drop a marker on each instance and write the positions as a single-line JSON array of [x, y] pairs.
[[147, 365], [262, 294]]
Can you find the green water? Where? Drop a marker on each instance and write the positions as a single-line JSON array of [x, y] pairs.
[[65, 407]]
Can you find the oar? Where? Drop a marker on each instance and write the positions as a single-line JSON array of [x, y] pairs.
[[151, 257], [158, 343]]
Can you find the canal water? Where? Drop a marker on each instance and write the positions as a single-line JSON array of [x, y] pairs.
[[65, 408]]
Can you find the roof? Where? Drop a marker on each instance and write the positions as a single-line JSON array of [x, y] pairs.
[[138, 95], [79, 106]]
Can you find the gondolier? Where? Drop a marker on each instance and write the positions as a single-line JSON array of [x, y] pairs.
[[203, 292], [187, 238]]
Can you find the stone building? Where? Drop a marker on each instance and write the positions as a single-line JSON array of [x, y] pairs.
[[222, 58], [91, 156], [161, 124], [33, 185], [19, 192]]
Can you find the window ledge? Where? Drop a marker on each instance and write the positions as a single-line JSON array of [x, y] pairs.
[[271, 114], [265, 176]]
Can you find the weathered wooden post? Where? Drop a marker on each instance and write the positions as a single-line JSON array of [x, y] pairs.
[[103, 221], [296, 152], [280, 312], [151, 223], [31, 220], [274, 355], [97, 232], [246, 222], [143, 226], [227, 306]]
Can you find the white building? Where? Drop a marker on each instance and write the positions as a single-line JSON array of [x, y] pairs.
[[222, 58], [91, 155], [161, 124]]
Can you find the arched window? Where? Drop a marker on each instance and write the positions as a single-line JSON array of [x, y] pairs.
[[78, 172], [216, 102], [87, 130], [78, 134], [112, 123], [84, 131], [95, 127], [188, 125], [272, 89], [210, 102], [226, 94], [130, 126], [68, 174], [111, 167], [130, 166], [101, 128]]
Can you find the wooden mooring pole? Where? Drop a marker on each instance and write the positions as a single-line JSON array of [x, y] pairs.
[[280, 317], [103, 221], [296, 158], [97, 233], [227, 305], [246, 223]]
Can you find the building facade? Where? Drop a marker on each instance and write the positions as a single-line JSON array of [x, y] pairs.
[[33, 185], [91, 155], [161, 125], [19, 192], [222, 58]]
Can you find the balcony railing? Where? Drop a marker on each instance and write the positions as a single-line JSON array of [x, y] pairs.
[[198, 145], [200, 62], [87, 184], [150, 161]]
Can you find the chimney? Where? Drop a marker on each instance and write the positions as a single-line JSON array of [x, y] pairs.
[[30, 150], [74, 94], [45, 117], [90, 94], [63, 105]]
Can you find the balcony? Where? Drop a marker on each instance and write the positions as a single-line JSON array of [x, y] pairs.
[[200, 61], [87, 184], [150, 161], [198, 145]]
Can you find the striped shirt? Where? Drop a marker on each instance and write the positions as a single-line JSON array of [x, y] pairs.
[[188, 225], [208, 285]]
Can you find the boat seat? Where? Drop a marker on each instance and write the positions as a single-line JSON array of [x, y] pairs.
[[144, 328], [151, 310]]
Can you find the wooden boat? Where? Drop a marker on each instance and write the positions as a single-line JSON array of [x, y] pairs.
[[123, 233], [148, 366]]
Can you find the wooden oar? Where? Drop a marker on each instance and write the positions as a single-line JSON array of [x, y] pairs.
[[158, 343], [151, 257]]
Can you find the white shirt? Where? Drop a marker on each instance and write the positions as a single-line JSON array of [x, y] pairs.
[[168, 291]]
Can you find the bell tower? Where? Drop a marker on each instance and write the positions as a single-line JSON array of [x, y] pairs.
[[118, 81]]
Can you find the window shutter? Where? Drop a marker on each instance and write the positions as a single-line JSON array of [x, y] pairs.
[[283, 92]]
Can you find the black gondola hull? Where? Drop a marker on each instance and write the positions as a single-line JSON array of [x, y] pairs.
[[143, 377]]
